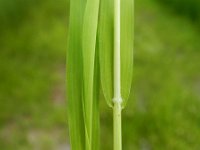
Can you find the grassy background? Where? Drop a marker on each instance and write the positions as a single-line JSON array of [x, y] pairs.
[[163, 110], [189, 8]]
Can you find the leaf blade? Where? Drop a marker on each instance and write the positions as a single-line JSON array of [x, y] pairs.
[[127, 38], [106, 27], [90, 25], [74, 76]]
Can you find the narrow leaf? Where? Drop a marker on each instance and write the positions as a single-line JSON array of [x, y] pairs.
[[75, 77], [127, 35], [89, 72], [106, 34]]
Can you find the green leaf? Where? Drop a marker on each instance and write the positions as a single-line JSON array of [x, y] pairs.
[[75, 76], [89, 50], [127, 38], [106, 34], [106, 44], [83, 75]]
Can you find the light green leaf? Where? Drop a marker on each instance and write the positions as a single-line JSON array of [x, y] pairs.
[[83, 75], [106, 34], [75, 77], [106, 41], [127, 37], [89, 78]]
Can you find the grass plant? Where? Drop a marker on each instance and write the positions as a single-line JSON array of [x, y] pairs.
[[163, 111], [100, 40]]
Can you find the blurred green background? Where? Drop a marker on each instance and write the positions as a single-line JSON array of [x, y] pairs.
[[163, 112]]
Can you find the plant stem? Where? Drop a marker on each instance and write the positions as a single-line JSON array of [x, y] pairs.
[[117, 126], [117, 62], [117, 80]]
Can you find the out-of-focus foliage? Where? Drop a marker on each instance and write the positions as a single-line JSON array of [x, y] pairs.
[[163, 111], [189, 8], [12, 12], [32, 69]]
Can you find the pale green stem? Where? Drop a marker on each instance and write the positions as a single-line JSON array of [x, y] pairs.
[[117, 62], [117, 126], [117, 80]]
